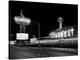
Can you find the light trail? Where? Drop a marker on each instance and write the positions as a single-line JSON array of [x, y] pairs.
[[55, 40]]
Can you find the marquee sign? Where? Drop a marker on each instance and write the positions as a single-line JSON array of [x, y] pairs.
[[22, 36]]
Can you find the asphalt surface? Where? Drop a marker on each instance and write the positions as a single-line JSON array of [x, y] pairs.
[[16, 52]]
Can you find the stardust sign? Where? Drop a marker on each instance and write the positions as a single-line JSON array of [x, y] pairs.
[[62, 34]]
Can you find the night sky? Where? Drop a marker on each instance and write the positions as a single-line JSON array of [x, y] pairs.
[[44, 13]]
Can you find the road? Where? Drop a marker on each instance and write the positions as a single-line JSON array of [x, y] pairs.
[[16, 52]]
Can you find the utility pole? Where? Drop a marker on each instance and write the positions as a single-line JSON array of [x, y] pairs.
[[39, 29], [39, 32]]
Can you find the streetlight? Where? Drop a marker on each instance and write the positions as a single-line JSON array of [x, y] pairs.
[[39, 32], [39, 29], [38, 24]]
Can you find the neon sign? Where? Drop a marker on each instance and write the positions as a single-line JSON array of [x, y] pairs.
[[22, 20], [62, 33]]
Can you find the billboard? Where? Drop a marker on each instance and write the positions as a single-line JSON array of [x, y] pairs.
[[22, 36]]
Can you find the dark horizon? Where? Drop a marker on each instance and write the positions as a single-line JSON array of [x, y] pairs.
[[44, 13]]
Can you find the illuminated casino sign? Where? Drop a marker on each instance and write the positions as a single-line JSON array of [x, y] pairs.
[[62, 33], [23, 20], [22, 36]]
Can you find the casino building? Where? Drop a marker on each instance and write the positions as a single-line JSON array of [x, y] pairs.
[[66, 37], [63, 32], [63, 37]]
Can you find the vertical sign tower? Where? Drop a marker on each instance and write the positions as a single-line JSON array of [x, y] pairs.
[[60, 20], [22, 21]]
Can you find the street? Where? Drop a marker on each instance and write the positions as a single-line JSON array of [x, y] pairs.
[[16, 52]]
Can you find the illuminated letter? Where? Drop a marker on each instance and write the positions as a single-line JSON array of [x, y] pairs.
[[72, 31], [58, 35], [68, 32], [61, 34], [65, 33]]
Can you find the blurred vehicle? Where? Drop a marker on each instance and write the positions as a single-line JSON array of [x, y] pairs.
[[12, 42]]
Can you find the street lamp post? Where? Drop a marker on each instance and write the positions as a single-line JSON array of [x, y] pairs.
[[39, 29], [38, 25], [39, 32]]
